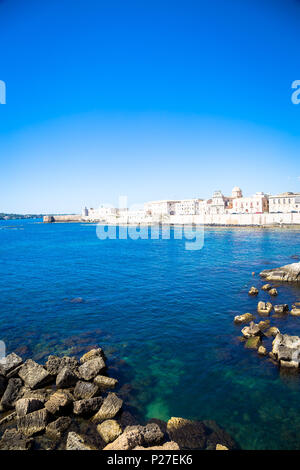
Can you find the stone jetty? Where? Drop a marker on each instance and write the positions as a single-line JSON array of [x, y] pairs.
[[287, 273], [71, 404]]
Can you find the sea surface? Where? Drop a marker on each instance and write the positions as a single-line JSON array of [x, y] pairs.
[[164, 315]]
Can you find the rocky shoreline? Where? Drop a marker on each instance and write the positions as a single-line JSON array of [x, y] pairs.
[[68, 404]]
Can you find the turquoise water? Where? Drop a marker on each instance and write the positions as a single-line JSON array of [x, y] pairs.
[[164, 316]]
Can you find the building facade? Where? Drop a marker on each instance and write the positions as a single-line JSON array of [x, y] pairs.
[[284, 203], [257, 204]]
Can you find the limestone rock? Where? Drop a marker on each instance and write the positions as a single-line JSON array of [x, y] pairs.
[[91, 368], [253, 343], [85, 390], [187, 434], [34, 375], [11, 394], [264, 325], [262, 351], [253, 291], [131, 438], [264, 308], [87, 406], [220, 447], [9, 363], [217, 435], [273, 331], [286, 348], [251, 330], [33, 423], [289, 364], [3, 385], [76, 442], [109, 430], [14, 440], [58, 427], [105, 383], [59, 402], [266, 287], [287, 273], [92, 354], [28, 405], [273, 292], [244, 318], [295, 311], [66, 378], [110, 407], [171, 445], [281, 309], [55, 364]]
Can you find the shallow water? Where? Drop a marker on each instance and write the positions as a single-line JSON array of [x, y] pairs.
[[164, 316]]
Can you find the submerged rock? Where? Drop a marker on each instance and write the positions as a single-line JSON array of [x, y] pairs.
[[187, 434], [253, 343], [244, 318], [287, 273]]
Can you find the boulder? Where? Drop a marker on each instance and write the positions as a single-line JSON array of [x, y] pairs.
[[34, 375], [273, 331], [92, 354], [253, 343], [273, 292], [14, 440], [11, 394], [55, 364], [264, 325], [264, 308], [281, 310], [244, 318], [58, 427], [3, 385], [289, 364], [187, 434], [59, 402], [76, 442], [286, 348], [216, 435], [251, 330], [33, 423], [295, 311], [109, 430], [109, 409], [91, 368], [262, 351], [131, 438], [28, 405], [287, 273], [105, 383], [266, 287], [87, 406], [66, 378], [220, 447], [253, 291], [166, 446], [85, 390], [9, 363]]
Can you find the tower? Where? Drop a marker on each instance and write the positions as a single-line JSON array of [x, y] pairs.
[[236, 192]]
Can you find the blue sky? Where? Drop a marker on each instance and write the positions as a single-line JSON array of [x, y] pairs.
[[149, 99]]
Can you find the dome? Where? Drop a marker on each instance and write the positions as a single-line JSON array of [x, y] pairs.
[[236, 188]]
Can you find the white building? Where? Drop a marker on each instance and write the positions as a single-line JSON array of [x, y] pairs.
[[188, 206], [219, 204], [284, 203], [102, 213], [256, 204], [160, 208]]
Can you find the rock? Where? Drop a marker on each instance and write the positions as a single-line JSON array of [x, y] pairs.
[[3, 385], [287, 273], [13, 373], [281, 309], [87, 406], [264, 308], [85, 390], [262, 351], [105, 383], [245, 318], [152, 434], [34, 375], [273, 331], [263, 325], [10, 362], [171, 445], [14, 440], [11, 394], [33, 423], [187, 434], [253, 291], [131, 438], [273, 292], [76, 442], [91, 368], [110, 407], [8, 418], [251, 330], [66, 378], [266, 287], [58, 427], [253, 343], [289, 364], [59, 402], [220, 447], [217, 435], [295, 311], [109, 430], [55, 364], [28, 405], [42, 394], [286, 347], [127, 419], [92, 354]]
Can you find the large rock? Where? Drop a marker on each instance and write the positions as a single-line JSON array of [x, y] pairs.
[[55, 364], [87, 406], [85, 390], [15, 440], [295, 311], [252, 330], [217, 435], [281, 310], [66, 378], [76, 442], [3, 385], [58, 427], [92, 354], [244, 318], [131, 437], [264, 308], [59, 402], [109, 430], [286, 348], [253, 342], [253, 291], [9, 363], [28, 405], [273, 292], [11, 394], [105, 383], [287, 273], [188, 434], [109, 409], [91, 368], [34, 375], [33, 423]]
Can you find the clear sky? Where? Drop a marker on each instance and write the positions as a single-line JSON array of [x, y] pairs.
[[149, 99]]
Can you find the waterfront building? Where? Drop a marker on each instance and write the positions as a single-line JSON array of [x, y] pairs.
[[284, 203], [188, 206], [256, 204], [160, 208]]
